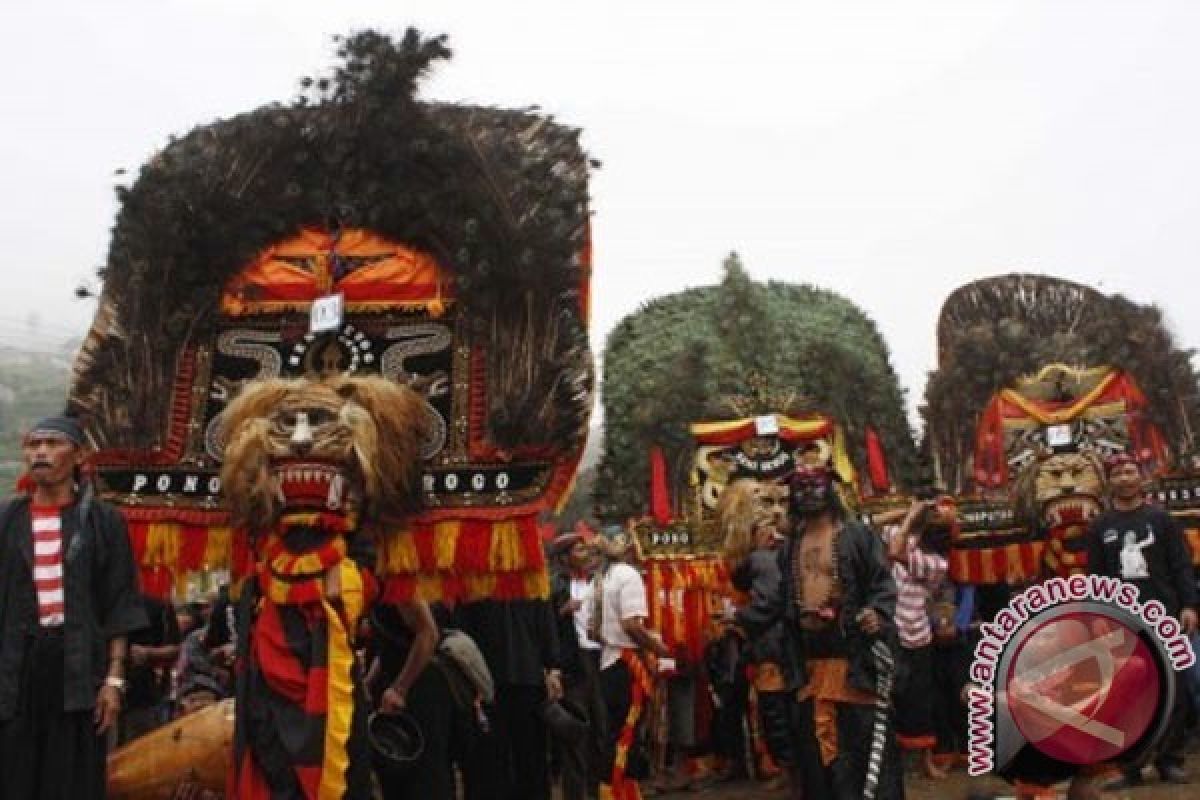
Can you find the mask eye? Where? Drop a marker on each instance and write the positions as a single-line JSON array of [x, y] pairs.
[[321, 416], [284, 421]]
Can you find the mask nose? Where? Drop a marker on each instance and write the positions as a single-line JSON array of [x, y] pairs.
[[302, 439]]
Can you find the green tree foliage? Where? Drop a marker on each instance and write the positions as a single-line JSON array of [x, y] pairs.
[[681, 358], [30, 388]]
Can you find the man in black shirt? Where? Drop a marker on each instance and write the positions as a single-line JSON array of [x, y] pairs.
[[153, 651], [1143, 545], [519, 642]]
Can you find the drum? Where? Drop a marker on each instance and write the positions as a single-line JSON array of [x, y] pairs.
[[194, 749]]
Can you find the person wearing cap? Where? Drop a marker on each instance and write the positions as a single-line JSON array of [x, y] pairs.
[[626, 682], [1144, 545], [68, 600]]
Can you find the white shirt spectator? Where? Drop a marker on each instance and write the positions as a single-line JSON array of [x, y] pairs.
[[581, 590], [624, 598]]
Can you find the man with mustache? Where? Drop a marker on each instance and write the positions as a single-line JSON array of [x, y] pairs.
[[68, 599]]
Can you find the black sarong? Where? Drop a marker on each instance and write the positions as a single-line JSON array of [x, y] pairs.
[[46, 753]]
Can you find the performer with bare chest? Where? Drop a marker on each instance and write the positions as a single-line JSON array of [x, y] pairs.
[[841, 598], [815, 574]]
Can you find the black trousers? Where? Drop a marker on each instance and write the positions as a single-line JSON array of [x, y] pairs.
[[616, 687], [728, 725], [777, 718], [915, 699], [430, 778], [843, 778], [511, 761], [45, 752], [1170, 749], [951, 666], [582, 762]]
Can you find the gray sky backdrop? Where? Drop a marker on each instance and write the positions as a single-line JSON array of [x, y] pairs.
[[889, 151]]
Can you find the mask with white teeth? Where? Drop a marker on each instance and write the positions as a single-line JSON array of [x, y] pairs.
[[330, 447]]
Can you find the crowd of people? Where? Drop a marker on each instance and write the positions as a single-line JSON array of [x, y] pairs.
[[845, 647]]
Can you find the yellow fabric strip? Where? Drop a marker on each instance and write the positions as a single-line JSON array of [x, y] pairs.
[[340, 691], [841, 459], [398, 554], [825, 729], [429, 588], [506, 554], [537, 585], [217, 548], [799, 426], [162, 545], [1062, 415], [445, 542]]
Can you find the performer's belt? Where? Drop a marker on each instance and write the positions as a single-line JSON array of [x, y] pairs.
[[815, 622]]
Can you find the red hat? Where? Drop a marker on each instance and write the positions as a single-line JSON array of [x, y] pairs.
[[1118, 460], [564, 542]]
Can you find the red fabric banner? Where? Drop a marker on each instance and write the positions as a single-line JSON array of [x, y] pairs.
[[877, 463], [660, 495]]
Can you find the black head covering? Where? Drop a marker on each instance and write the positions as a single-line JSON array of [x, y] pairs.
[[62, 425]]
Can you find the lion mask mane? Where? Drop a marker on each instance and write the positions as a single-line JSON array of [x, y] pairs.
[[746, 506]]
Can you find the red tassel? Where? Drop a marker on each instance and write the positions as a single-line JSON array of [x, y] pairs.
[[423, 541], [454, 588], [137, 540], [191, 549], [877, 463], [991, 467], [243, 555], [531, 545], [660, 494], [510, 586], [398, 589], [473, 549], [157, 582], [652, 595]]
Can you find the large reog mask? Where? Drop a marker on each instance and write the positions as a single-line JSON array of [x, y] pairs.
[[340, 446], [811, 491]]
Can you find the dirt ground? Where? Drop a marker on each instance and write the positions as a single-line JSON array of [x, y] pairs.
[[959, 786]]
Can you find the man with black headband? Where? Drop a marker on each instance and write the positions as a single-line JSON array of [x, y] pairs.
[[837, 601], [68, 599]]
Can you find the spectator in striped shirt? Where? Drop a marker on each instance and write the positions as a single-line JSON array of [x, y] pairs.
[[918, 569], [68, 600]]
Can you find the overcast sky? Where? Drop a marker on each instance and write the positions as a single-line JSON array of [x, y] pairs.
[[889, 151]]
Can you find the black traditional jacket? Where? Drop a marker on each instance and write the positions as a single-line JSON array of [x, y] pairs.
[[100, 592], [758, 576], [866, 582]]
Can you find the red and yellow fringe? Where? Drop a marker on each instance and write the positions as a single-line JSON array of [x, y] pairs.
[[447, 560], [683, 594], [465, 560]]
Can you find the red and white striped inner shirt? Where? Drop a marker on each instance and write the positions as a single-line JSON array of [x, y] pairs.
[[917, 578], [48, 564]]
